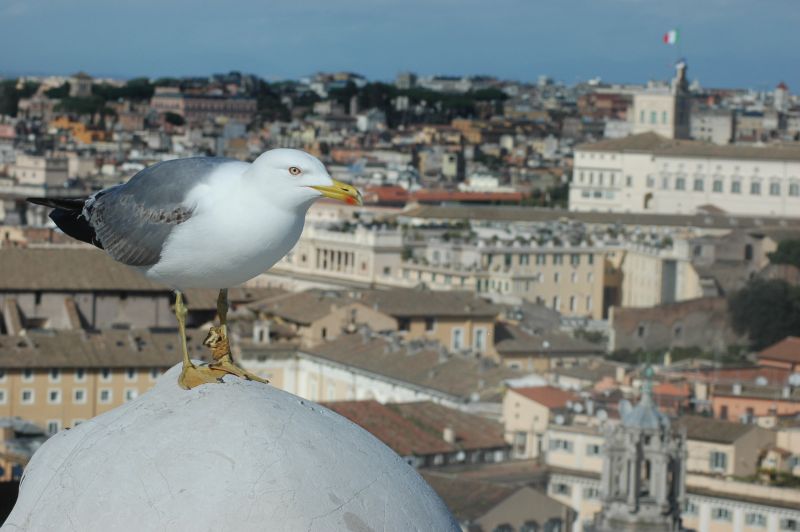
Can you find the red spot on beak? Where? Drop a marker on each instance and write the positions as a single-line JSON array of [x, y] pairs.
[[351, 201]]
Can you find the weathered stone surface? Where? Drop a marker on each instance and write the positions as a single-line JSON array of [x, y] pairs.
[[235, 456]]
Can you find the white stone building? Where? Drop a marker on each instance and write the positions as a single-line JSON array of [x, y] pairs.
[[648, 173]]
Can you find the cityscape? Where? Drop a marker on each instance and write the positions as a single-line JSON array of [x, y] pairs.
[[568, 306]]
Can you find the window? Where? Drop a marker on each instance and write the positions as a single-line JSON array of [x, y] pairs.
[[789, 524], [755, 519], [27, 397], [80, 375], [590, 259], [480, 339], [105, 396], [556, 303], [27, 375], [698, 185], [774, 189], [663, 117], [130, 375], [105, 374], [430, 324], [591, 493], [54, 397], [524, 259], [2, 397], [558, 258], [717, 186], [541, 259], [55, 375], [403, 324], [736, 187], [680, 183], [588, 303], [720, 514], [556, 277], [794, 189], [574, 277], [572, 304], [691, 508], [53, 426], [79, 395], [557, 444], [592, 449], [154, 373], [755, 188], [561, 489], [653, 117], [719, 461], [520, 443], [131, 394], [575, 259], [629, 181], [457, 340]]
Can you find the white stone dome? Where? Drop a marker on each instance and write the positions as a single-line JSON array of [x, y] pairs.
[[235, 456]]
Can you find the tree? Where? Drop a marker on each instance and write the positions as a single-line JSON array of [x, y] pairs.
[[58, 92], [788, 252], [174, 118], [766, 310]]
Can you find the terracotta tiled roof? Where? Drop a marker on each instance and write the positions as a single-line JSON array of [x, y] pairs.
[[402, 435], [302, 307], [471, 432], [402, 302], [424, 366], [549, 396], [68, 269], [713, 430], [468, 499], [787, 350], [106, 349]]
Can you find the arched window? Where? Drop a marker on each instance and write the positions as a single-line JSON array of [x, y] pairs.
[[529, 526], [505, 527]]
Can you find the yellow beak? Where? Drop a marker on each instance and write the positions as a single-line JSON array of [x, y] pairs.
[[342, 192]]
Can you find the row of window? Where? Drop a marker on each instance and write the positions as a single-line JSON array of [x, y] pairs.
[[79, 375], [753, 519], [718, 185], [557, 444], [540, 259], [54, 397]]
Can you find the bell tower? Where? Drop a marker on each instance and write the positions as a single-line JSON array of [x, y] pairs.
[[644, 469]]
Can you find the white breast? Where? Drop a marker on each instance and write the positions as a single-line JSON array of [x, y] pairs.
[[230, 238]]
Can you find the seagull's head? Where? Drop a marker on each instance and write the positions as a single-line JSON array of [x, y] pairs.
[[294, 176]]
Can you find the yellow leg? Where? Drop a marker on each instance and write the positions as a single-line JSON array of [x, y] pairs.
[[217, 341], [191, 375]]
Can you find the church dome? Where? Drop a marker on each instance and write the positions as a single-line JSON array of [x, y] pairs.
[[237, 456]]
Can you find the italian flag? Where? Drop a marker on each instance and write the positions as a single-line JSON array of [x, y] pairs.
[[671, 37]]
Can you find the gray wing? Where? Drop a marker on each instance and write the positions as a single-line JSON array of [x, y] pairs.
[[132, 221]]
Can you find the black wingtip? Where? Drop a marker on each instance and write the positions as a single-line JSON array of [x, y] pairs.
[[69, 204]]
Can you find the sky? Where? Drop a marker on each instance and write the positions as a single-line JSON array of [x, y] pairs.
[[727, 43]]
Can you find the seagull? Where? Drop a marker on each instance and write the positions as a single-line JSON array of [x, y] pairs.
[[203, 222]]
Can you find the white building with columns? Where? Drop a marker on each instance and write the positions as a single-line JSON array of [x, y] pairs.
[[648, 173]]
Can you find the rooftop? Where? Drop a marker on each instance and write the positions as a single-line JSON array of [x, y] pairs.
[[548, 396], [461, 377], [106, 349], [713, 430], [787, 350], [658, 145]]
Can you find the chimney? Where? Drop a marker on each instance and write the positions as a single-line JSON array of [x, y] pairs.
[[449, 435], [737, 389], [786, 392]]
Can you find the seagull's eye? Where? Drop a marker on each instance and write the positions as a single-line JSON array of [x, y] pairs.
[[295, 170]]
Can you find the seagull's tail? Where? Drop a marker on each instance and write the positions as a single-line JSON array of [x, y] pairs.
[[67, 213], [68, 204]]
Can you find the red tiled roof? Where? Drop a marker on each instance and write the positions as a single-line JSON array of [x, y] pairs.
[[787, 350], [401, 434], [471, 431], [425, 196], [671, 388], [549, 396]]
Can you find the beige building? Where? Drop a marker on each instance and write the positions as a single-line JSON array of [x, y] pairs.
[[57, 379], [40, 170], [364, 256], [663, 110], [569, 279], [527, 412]]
